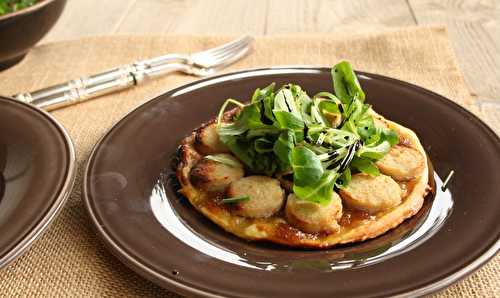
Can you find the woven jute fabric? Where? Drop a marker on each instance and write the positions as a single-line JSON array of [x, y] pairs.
[[70, 260]]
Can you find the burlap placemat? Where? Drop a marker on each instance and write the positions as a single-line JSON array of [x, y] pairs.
[[69, 260]]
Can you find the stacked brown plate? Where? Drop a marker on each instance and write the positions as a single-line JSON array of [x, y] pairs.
[[37, 167]]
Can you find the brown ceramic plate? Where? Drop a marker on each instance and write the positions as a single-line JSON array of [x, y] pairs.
[[36, 174], [132, 200]]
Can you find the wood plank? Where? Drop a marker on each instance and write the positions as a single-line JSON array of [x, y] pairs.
[[475, 32], [230, 17], [154, 16], [490, 113], [226, 17], [302, 16], [88, 17], [234, 17]]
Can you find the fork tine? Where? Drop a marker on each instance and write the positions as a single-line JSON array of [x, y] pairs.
[[214, 57], [229, 52], [229, 45], [229, 56], [232, 57], [214, 67]]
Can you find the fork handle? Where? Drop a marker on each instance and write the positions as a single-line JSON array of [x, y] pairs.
[[113, 80]]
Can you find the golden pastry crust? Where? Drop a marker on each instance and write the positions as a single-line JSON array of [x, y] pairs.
[[276, 228]]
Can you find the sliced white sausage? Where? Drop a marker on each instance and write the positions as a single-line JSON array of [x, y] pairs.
[[312, 217], [402, 163], [265, 194], [214, 176], [207, 140], [371, 194]]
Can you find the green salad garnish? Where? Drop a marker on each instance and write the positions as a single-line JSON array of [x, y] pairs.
[[321, 140], [235, 200], [8, 6]]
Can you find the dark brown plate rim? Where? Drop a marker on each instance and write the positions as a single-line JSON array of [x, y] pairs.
[[62, 194], [154, 276]]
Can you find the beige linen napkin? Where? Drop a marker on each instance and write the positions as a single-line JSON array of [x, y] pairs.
[[69, 260]]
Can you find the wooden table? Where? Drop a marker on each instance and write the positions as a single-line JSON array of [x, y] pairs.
[[474, 26]]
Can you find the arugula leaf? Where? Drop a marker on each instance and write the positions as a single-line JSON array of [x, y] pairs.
[[261, 94], [350, 126], [263, 145], [329, 96], [328, 106], [339, 138], [390, 136], [344, 179], [345, 83], [268, 103], [307, 168], [320, 191], [285, 101], [367, 129], [379, 144], [287, 120], [326, 112], [241, 148], [356, 110], [283, 149], [231, 130], [373, 138], [255, 133], [264, 164], [364, 165], [304, 103], [375, 152], [265, 99], [248, 118]]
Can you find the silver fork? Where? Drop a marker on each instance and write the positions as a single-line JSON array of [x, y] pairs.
[[199, 64]]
